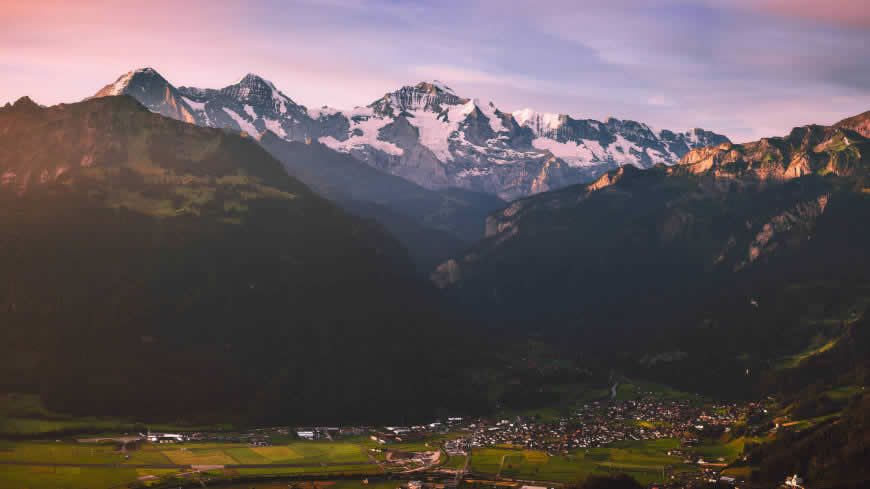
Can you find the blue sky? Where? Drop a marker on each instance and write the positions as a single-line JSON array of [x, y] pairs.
[[745, 68]]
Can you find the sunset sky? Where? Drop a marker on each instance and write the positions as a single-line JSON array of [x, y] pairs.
[[740, 67]]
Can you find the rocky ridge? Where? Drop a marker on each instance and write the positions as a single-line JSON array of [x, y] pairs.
[[428, 134]]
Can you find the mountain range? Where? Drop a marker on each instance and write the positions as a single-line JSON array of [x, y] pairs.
[[228, 252], [671, 259], [153, 267], [428, 134]]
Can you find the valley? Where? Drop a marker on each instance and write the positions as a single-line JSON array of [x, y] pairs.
[[224, 287]]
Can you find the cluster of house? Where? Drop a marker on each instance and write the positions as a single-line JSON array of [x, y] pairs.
[[458, 446], [601, 423], [399, 434], [163, 437], [330, 432]]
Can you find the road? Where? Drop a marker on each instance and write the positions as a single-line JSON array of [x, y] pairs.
[[174, 466]]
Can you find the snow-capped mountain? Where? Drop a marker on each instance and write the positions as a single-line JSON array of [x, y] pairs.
[[428, 134], [590, 142]]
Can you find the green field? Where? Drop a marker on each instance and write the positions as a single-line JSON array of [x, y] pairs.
[[16, 477], [52, 452], [643, 460], [455, 462], [729, 451], [337, 469], [339, 484], [427, 444], [300, 452]]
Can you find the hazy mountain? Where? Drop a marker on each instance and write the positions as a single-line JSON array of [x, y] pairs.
[[431, 224], [152, 267], [429, 135]]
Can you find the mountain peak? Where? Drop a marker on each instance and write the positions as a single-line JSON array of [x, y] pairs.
[[25, 102], [546, 120], [253, 79], [425, 95], [256, 90], [433, 86], [142, 75]]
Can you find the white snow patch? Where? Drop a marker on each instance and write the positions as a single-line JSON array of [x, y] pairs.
[[243, 124], [251, 112], [621, 152], [435, 133], [494, 120], [198, 106], [574, 153], [275, 127], [537, 120], [474, 172], [370, 128], [322, 112], [119, 86], [441, 86]]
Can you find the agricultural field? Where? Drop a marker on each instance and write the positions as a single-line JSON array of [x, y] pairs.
[[427, 444], [643, 460], [64, 453], [339, 484], [455, 462], [333, 469], [488, 460], [727, 452], [307, 453], [29, 477]]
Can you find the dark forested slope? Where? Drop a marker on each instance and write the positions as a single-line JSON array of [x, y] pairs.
[[155, 268]]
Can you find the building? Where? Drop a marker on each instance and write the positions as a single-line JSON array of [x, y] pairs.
[[306, 434], [164, 437]]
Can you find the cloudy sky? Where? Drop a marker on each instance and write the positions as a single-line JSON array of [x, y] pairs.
[[745, 68]]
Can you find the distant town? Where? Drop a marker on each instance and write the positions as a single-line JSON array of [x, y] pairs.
[[404, 452]]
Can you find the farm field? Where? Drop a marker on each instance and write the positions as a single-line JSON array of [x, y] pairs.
[[23, 477], [340, 484], [308, 453], [644, 460], [63, 453], [313, 455], [455, 462], [728, 452], [427, 444]]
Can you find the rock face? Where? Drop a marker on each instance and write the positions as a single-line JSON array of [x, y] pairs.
[[428, 134], [725, 212], [809, 149], [153, 91]]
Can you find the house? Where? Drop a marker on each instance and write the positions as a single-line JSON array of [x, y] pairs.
[[164, 437], [306, 434], [385, 438]]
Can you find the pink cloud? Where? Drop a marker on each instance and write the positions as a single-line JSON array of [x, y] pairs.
[[853, 13]]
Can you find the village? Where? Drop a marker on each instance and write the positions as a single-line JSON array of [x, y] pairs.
[[455, 449], [603, 422]]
